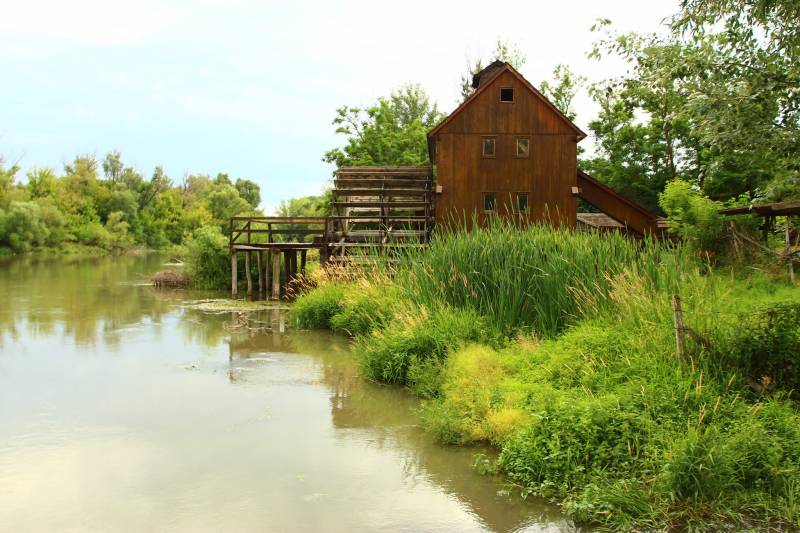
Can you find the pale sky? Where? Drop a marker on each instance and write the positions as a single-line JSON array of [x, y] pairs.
[[250, 88]]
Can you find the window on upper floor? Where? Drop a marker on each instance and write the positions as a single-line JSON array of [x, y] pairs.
[[488, 146], [506, 94], [523, 147]]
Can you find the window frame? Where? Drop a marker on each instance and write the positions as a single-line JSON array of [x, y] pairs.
[[492, 138], [486, 194], [516, 148], [513, 95], [527, 196]]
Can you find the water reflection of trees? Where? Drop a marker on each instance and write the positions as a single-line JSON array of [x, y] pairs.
[[387, 414], [89, 299]]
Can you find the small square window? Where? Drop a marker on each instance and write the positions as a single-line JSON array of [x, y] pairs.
[[523, 147], [488, 147], [522, 202], [506, 94], [489, 202]]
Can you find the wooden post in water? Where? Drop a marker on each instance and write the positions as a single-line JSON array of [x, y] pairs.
[[276, 274], [247, 273], [260, 264], [267, 261], [293, 263], [234, 272], [287, 266]]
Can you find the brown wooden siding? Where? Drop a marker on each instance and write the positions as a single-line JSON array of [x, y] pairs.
[[547, 175]]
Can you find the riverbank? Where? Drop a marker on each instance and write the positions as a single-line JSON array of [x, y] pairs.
[[559, 350]]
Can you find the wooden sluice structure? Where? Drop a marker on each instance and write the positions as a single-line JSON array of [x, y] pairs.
[[377, 210]]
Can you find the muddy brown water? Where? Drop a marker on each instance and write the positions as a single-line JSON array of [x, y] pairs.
[[123, 410]]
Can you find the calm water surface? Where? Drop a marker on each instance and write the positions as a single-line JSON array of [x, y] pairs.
[[123, 410]]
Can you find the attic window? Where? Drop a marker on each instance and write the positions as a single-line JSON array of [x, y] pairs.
[[506, 94]]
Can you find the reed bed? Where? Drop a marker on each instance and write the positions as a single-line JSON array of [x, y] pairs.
[[527, 280]]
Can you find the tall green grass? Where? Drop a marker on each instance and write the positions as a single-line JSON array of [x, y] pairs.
[[525, 279]]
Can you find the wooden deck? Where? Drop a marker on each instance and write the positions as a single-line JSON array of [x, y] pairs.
[[376, 208]]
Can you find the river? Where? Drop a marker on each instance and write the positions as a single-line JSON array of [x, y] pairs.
[[124, 408]]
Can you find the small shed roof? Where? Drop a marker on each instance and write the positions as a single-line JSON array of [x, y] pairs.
[[599, 220], [766, 210]]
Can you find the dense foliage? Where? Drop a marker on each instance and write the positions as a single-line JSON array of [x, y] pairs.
[[714, 103], [116, 209], [567, 364], [391, 132]]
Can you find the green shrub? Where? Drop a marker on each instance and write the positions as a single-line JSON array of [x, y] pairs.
[[92, 233], [208, 259], [24, 225], [414, 337], [366, 306], [765, 344], [692, 216], [315, 309]]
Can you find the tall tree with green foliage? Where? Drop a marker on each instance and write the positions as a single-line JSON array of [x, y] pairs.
[[715, 103], [391, 132]]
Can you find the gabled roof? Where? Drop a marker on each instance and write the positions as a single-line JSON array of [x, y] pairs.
[[493, 72]]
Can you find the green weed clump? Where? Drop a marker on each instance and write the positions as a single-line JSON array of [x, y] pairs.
[[315, 309], [408, 350]]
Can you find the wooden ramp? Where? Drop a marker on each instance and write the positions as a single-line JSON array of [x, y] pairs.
[[627, 213], [380, 209]]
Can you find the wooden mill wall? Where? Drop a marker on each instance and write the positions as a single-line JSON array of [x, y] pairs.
[[547, 175]]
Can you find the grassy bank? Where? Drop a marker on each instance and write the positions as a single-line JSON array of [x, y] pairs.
[[559, 349]]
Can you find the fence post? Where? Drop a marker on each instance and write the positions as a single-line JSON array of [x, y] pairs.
[[679, 328]]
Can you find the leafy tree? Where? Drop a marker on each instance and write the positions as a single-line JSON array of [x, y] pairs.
[[503, 51], [391, 132], [224, 203], [41, 182], [250, 191], [7, 176], [112, 166], [562, 90], [23, 227], [692, 216]]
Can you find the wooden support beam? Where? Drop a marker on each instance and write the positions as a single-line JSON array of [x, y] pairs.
[[293, 265], [234, 273], [259, 264], [287, 266], [247, 273], [267, 262], [276, 275], [303, 262]]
